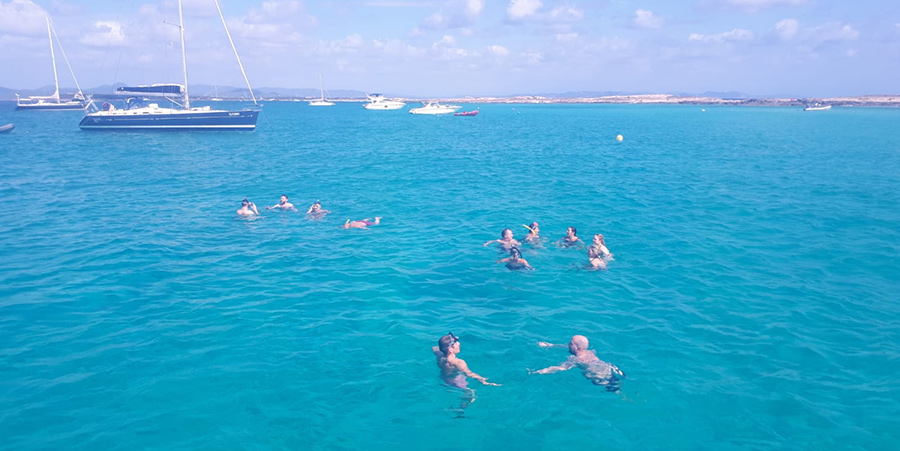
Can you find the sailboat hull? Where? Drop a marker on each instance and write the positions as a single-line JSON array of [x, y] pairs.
[[177, 120], [49, 106]]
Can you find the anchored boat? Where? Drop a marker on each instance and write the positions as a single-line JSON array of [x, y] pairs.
[[140, 115]]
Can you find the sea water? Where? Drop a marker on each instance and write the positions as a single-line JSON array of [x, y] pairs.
[[752, 302]]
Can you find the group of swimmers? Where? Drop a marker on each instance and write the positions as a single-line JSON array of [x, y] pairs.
[[455, 371], [315, 211], [598, 253]]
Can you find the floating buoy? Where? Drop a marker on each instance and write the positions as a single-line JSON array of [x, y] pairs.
[[619, 138]]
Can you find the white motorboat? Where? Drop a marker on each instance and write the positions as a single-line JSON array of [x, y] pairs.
[[817, 107], [53, 102], [321, 101], [378, 102], [434, 108]]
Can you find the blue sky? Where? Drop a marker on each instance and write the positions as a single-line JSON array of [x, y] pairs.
[[469, 47]]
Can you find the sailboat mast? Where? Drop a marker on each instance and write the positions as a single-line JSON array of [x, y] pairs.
[[187, 100], [53, 58], [321, 86]]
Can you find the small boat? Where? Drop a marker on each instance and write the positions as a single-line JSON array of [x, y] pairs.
[[467, 113], [53, 102], [321, 101], [817, 107], [7, 128], [378, 102], [141, 116], [434, 108]]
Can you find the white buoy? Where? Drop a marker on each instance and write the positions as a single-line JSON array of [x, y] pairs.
[[619, 138]]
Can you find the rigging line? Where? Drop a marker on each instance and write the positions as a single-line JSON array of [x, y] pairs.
[[233, 48], [63, 51]]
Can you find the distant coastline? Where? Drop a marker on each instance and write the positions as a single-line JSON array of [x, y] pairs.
[[629, 99]]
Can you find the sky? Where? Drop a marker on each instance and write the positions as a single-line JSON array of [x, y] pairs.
[[448, 48]]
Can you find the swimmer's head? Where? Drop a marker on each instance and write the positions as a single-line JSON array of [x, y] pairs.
[[578, 343], [245, 202], [447, 341], [534, 226], [598, 238], [506, 233], [573, 230], [515, 253], [284, 198]]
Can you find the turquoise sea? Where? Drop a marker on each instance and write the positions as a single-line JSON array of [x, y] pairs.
[[752, 302]]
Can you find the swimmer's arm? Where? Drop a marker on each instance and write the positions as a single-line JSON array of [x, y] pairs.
[[544, 344], [526, 263], [567, 365], [461, 365], [491, 241], [437, 351], [253, 206], [503, 260], [309, 210]]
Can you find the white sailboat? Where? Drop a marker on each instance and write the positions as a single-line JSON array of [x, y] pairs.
[[179, 117], [53, 102], [321, 101]]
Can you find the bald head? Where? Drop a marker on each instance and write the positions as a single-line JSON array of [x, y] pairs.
[[578, 343]]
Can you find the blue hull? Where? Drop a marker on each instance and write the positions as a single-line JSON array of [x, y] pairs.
[[200, 120]]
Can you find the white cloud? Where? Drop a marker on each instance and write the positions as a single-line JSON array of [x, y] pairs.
[[738, 34], [498, 50], [832, 32], [522, 9], [565, 14], [787, 28], [111, 34], [447, 40], [455, 14], [646, 19], [533, 57], [756, 5], [22, 17], [566, 37]]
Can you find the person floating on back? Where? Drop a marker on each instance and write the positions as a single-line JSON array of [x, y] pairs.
[[247, 208], [515, 260], [594, 369], [506, 240], [363, 224], [283, 204]]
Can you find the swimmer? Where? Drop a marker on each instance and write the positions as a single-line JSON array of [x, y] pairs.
[[506, 240], [570, 240], [316, 211], [454, 370], [283, 204], [363, 224], [594, 369], [533, 235], [598, 254], [247, 208], [515, 260]]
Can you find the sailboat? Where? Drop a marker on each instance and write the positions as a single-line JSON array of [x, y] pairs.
[[52, 102], [321, 101], [150, 116]]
